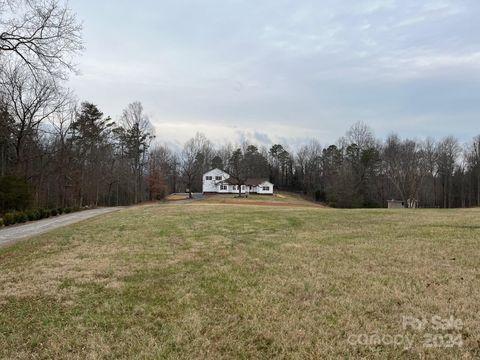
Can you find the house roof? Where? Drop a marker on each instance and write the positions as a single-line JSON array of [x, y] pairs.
[[255, 181], [231, 181], [216, 170], [248, 182]]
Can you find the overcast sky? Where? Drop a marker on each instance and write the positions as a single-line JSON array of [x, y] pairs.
[[277, 70]]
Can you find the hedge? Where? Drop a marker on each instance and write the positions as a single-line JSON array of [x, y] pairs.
[[18, 217]]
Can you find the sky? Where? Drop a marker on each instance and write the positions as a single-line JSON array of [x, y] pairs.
[[269, 71]]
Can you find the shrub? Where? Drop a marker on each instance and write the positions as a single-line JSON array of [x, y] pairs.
[[17, 217], [33, 215], [20, 217], [9, 219], [41, 214], [68, 210]]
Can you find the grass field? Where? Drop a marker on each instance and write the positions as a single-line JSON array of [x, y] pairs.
[[279, 199], [215, 280], [176, 197]]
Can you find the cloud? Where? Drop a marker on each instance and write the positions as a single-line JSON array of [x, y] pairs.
[[262, 138], [285, 71]]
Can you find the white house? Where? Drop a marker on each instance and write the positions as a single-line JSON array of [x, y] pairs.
[[217, 181]]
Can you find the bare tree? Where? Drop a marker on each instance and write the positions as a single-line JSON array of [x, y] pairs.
[[309, 163], [361, 135], [224, 153], [404, 164], [6, 126], [431, 157], [238, 168], [188, 164], [61, 123], [161, 172], [195, 159], [137, 134], [448, 153], [43, 34], [473, 161], [30, 103]]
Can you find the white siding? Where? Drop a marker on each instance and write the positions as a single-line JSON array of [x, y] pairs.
[[260, 189], [233, 189], [213, 184], [216, 177]]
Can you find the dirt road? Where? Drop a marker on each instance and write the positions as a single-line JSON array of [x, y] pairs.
[[9, 235]]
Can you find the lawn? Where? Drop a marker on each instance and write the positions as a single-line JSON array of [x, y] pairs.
[[214, 280], [176, 197], [278, 199]]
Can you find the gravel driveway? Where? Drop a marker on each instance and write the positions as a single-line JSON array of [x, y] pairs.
[[15, 233]]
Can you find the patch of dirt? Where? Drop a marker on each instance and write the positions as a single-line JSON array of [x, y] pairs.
[[176, 198]]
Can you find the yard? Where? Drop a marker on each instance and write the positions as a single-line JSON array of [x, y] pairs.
[[211, 279]]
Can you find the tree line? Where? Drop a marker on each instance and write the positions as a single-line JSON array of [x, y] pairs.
[[356, 171], [80, 157], [56, 152]]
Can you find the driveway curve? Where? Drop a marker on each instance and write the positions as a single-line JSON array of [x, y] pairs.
[[12, 234]]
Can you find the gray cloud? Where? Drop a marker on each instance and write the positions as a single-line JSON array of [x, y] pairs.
[[285, 70]]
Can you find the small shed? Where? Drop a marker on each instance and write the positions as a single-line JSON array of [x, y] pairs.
[[396, 204]]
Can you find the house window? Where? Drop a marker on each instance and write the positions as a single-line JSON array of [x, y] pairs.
[[234, 187], [223, 187], [266, 188], [218, 178], [208, 178], [243, 187]]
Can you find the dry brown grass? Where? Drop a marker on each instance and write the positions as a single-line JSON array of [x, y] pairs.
[[207, 280], [176, 197], [278, 199]]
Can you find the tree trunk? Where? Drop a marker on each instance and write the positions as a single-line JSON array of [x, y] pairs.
[[190, 188], [478, 189]]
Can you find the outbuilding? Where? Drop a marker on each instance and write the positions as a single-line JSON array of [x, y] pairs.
[[396, 204]]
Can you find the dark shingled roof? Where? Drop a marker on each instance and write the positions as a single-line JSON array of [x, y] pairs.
[[248, 182], [255, 181], [231, 181]]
